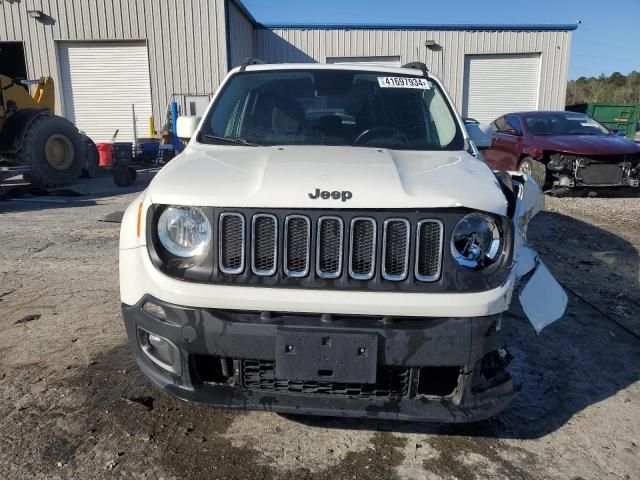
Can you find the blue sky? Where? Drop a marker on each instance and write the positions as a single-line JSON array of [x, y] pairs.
[[607, 40]]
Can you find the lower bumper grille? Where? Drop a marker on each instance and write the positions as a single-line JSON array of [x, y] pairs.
[[391, 382]]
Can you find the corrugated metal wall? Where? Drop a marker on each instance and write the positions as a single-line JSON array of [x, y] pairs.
[[186, 39], [242, 36], [447, 61], [187, 43]]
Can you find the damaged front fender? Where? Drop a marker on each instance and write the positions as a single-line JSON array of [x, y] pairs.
[[542, 298]]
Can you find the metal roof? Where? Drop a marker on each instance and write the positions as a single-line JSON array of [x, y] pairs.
[[422, 26], [411, 26]]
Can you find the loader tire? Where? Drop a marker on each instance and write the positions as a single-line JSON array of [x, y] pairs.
[[536, 169], [55, 151]]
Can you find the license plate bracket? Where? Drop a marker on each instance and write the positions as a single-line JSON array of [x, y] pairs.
[[342, 357]]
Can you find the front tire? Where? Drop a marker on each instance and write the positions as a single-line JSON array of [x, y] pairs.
[[54, 149], [536, 169]]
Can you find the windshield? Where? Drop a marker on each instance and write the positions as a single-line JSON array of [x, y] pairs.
[[564, 124], [332, 107]]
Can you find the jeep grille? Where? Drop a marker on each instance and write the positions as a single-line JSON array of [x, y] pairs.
[[329, 247]]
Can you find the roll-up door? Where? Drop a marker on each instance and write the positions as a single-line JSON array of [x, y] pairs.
[[499, 84], [100, 82]]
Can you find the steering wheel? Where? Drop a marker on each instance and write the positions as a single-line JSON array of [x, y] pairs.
[[377, 131]]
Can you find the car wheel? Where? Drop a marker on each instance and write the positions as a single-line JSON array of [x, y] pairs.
[[536, 169]]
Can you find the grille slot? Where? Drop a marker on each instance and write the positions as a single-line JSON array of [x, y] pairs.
[[297, 242], [264, 244], [362, 248], [395, 249], [329, 247], [231, 243], [429, 237], [392, 382]]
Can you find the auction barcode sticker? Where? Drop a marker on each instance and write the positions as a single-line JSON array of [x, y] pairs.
[[403, 82]]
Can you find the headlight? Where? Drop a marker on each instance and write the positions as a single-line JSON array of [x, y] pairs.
[[476, 241], [184, 231]]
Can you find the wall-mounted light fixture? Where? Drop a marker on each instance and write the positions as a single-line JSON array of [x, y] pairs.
[[37, 14], [431, 44]]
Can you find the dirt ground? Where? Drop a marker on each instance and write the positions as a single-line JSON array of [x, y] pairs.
[[74, 405]]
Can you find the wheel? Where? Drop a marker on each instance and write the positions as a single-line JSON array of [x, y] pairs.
[[134, 174], [123, 177], [91, 167], [55, 151], [536, 169]]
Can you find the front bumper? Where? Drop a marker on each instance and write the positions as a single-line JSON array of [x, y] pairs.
[[417, 352]]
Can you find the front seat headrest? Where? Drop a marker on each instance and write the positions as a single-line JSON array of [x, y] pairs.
[[287, 116]]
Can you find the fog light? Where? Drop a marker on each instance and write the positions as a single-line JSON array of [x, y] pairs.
[[160, 351], [155, 310]]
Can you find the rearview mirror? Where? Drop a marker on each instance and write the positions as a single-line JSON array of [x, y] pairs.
[[513, 131], [480, 134], [186, 126]]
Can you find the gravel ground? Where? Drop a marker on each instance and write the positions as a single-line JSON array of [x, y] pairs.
[[74, 404]]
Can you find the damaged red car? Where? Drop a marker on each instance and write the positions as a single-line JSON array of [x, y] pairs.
[[563, 149]]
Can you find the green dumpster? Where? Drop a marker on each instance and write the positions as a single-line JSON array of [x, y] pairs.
[[624, 118]]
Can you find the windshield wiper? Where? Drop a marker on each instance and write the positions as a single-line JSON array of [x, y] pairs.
[[230, 141]]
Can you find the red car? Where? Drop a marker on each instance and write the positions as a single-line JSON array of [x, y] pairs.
[[563, 149]]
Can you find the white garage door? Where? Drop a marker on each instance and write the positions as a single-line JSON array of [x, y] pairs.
[[499, 84], [100, 82], [369, 61]]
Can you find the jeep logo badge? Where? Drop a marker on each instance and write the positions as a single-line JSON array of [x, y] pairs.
[[326, 195]]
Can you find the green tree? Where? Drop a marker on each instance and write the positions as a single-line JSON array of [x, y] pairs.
[[615, 88]]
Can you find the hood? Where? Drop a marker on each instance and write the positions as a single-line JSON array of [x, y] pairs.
[[588, 144], [288, 176]]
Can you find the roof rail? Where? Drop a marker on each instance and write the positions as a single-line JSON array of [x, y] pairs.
[[418, 66], [250, 61]]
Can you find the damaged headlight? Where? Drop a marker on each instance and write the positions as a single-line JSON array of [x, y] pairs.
[[476, 241], [184, 231]]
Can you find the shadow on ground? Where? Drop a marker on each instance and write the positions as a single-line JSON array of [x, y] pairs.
[[601, 192], [22, 197]]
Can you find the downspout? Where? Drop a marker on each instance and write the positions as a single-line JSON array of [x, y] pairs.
[[227, 28]]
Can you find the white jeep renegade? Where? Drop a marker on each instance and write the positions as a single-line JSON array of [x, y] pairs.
[[330, 242]]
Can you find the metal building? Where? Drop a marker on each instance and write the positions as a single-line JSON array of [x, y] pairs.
[[106, 55]]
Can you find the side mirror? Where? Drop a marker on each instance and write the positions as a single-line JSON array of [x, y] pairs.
[[480, 134], [620, 133], [186, 126]]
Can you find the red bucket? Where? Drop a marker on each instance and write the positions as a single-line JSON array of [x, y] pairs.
[[105, 154]]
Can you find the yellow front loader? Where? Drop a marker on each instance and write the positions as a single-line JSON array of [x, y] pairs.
[[49, 147]]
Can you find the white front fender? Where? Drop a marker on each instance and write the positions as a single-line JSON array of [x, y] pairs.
[[542, 298]]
